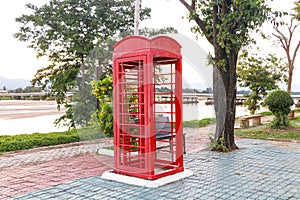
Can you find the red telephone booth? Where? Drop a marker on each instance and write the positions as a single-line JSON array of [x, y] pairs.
[[147, 107]]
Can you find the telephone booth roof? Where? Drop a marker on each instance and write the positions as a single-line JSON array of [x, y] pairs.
[[133, 44]]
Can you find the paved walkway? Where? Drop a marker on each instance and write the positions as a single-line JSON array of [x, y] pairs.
[[259, 170]]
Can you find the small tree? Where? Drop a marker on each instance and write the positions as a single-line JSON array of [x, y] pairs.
[[260, 75], [279, 103]]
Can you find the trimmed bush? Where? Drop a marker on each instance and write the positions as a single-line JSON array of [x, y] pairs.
[[30, 141], [279, 103]]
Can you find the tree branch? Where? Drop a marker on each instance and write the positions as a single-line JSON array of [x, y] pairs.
[[280, 40], [283, 40], [235, 23], [295, 53], [286, 42], [192, 9], [193, 4]]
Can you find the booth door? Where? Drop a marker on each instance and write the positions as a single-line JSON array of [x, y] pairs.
[[130, 115]]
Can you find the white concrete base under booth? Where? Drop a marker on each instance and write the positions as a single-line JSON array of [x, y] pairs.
[[110, 175], [105, 152]]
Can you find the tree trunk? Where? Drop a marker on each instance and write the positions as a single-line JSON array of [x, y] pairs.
[[224, 85], [82, 72], [290, 77]]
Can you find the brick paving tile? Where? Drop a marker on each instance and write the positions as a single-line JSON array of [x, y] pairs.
[[19, 180], [259, 170]]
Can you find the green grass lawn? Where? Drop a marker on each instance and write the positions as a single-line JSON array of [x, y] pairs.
[[292, 132], [198, 123], [30, 141]]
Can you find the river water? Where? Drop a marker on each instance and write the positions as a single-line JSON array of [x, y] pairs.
[[18, 117]]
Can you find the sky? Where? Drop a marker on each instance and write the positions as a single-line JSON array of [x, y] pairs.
[[18, 61]]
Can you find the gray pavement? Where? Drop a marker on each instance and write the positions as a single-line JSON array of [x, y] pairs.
[[259, 170]]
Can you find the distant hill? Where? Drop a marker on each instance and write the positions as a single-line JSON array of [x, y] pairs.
[[12, 84]]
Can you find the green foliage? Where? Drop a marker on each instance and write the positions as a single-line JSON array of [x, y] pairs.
[[260, 74], [218, 145], [198, 123], [266, 113], [105, 118], [29, 141], [296, 15], [5, 98], [84, 104], [27, 89], [66, 32], [73, 27], [296, 121], [231, 20], [267, 133], [149, 32], [103, 91], [279, 103]]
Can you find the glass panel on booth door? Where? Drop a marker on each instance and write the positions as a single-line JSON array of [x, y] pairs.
[[131, 115]]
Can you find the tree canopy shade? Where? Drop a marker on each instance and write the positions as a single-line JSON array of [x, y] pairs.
[[227, 25], [66, 31]]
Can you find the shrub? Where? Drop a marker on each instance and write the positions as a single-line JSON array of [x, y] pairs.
[[105, 118], [279, 103], [218, 145], [104, 115], [29, 141]]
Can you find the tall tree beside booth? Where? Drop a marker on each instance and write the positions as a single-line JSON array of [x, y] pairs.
[[227, 25], [66, 32]]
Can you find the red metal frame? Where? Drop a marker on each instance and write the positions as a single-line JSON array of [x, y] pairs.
[[147, 95]]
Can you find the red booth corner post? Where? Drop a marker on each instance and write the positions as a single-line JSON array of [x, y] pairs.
[[147, 78]]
